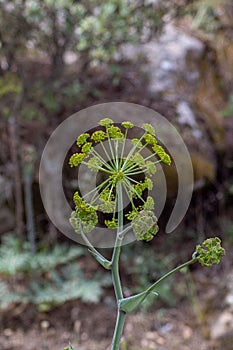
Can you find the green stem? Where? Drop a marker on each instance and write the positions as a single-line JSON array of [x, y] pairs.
[[117, 246], [118, 330], [123, 148], [97, 168], [109, 160], [131, 153], [90, 246], [106, 163], [96, 189], [115, 273], [132, 188], [123, 233], [152, 287]]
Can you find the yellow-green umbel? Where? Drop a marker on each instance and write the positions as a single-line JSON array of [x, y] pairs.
[[118, 164]]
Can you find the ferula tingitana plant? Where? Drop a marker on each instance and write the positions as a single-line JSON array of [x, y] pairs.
[[125, 173]]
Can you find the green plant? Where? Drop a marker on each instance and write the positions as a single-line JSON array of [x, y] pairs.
[[93, 28], [228, 112], [48, 278], [206, 15], [125, 172], [228, 228]]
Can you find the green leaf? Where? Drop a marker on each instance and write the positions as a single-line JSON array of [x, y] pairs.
[[131, 303]]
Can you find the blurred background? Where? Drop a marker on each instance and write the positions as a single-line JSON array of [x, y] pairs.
[[58, 57]]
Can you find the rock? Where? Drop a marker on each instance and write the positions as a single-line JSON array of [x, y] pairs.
[[184, 79], [44, 324], [187, 332], [221, 330], [229, 295], [187, 117], [8, 332], [167, 60], [223, 325], [77, 326], [210, 101]]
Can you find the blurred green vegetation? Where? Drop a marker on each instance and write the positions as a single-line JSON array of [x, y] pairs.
[[36, 36], [228, 112], [47, 278]]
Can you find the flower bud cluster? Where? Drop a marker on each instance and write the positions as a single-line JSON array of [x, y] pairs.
[[209, 252]]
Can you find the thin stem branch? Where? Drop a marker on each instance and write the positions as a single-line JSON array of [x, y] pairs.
[[96, 189], [111, 150], [131, 152], [97, 167], [101, 159], [90, 246], [107, 155], [131, 188], [123, 148], [178, 268]]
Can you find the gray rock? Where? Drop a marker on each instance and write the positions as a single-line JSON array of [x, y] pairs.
[[229, 296], [175, 64], [223, 325]]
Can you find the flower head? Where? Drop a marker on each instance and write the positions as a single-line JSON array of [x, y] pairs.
[[82, 139], [106, 122], [76, 159], [209, 252], [117, 160], [149, 128], [145, 225], [127, 125], [99, 136]]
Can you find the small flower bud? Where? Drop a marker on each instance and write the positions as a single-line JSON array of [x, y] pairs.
[[209, 252], [83, 221], [76, 159], [106, 122], [127, 125], [86, 148], [98, 136], [82, 139], [111, 223], [149, 128]]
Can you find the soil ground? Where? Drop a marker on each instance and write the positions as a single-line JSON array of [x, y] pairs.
[[90, 326]]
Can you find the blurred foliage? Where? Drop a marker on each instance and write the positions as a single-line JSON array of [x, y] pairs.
[[229, 230], [9, 84], [92, 28], [36, 36], [10, 88], [228, 112], [48, 278], [32, 113], [206, 14], [15, 256]]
